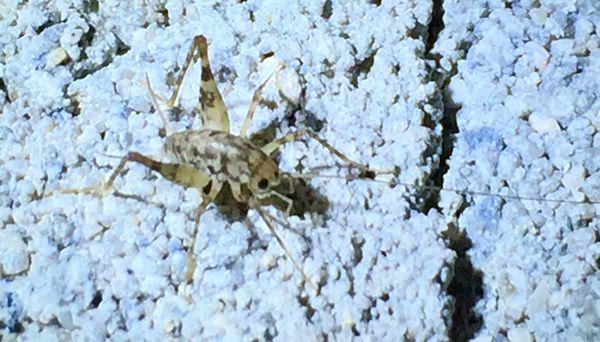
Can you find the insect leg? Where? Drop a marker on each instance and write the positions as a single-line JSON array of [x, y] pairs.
[[254, 204], [269, 223], [255, 101], [288, 201], [236, 192], [212, 108], [191, 55], [154, 99], [190, 266], [299, 134], [209, 192], [181, 174]]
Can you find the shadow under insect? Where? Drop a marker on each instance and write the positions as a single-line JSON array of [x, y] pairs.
[[305, 198]]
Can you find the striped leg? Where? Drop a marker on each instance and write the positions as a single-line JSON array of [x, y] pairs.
[[212, 108]]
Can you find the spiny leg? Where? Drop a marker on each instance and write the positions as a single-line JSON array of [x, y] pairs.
[[173, 98], [99, 190], [266, 217], [182, 174], [299, 134], [288, 201], [293, 136], [255, 100], [191, 264], [138, 158], [209, 192]]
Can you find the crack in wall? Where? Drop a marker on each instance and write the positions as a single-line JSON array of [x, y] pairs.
[[466, 286]]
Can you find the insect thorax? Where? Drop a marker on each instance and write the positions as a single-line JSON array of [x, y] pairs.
[[224, 156]]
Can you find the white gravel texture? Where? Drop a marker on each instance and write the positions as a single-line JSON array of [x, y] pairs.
[[84, 267], [528, 87]]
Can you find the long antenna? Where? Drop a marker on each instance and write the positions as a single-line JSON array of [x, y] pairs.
[[154, 100], [350, 177], [394, 181]]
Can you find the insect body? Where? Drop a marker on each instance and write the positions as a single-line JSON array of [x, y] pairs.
[[225, 158], [213, 157], [208, 159]]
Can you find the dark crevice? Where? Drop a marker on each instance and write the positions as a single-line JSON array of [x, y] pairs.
[[96, 300], [361, 68], [357, 244], [350, 276], [86, 41], [86, 68], [91, 6], [443, 144], [366, 315], [449, 131], [4, 90], [327, 10], [448, 119], [466, 286], [12, 308], [435, 25], [122, 48], [48, 23], [163, 12]]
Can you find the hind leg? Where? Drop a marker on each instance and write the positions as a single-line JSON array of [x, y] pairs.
[[212, 107]]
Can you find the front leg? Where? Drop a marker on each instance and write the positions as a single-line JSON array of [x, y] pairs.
[[236, 191], [268, 221]]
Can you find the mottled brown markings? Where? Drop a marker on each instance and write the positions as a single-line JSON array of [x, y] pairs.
[[207, 99], [199, 154], [206, 74], [217, 158], [209, 155], [196, 151]]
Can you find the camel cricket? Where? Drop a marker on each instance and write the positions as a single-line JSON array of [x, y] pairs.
[[206, 159]]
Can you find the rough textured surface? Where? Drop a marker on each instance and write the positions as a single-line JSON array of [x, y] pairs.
[[93, 268], [526, 79], [523, 75]]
